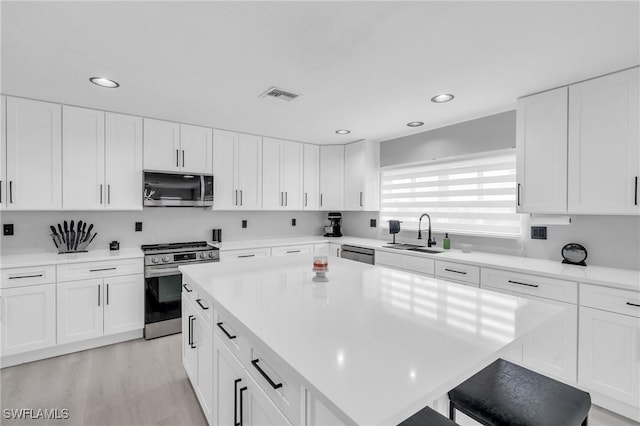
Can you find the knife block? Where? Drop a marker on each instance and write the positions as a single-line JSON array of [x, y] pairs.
[[81, 248]]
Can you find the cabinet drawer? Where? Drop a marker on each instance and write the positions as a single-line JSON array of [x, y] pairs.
[[549, 288], [388, 259], [419, 264], [458, 272], [232, 335], [283, 251], [278, 382], [245, 254], [32, 275], [610, 299], [88, 270]]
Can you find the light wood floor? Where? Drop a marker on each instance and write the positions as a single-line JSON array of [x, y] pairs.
[[133, 383]]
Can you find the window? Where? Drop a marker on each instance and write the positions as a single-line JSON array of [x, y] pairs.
[[470, 196]]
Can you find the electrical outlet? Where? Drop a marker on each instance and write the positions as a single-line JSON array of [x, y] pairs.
[[138, 226], [244, 223], [293, 222], [538, 232], [8, 229], [372, 223]]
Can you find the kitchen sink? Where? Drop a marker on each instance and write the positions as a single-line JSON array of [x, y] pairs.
[[413, 247]]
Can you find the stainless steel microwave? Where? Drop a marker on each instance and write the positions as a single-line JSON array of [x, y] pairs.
[[162, 189]]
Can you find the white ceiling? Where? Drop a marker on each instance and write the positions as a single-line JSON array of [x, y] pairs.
[[370, 67]]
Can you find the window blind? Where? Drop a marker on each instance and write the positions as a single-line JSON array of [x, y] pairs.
[[472, 196]]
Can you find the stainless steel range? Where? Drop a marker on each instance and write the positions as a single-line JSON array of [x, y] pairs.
[[163, 283]]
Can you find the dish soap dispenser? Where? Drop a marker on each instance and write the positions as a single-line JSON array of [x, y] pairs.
[[446, 242]]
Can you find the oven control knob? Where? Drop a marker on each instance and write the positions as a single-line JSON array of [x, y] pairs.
[[203, 255], [211, 254], [165, 258], [155, 259]]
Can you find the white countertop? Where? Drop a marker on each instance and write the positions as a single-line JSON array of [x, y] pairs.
[[378, 343], [613, 277], [38, 259]]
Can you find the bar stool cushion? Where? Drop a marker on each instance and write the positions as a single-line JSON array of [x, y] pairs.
[[505, 394], [427, 417]]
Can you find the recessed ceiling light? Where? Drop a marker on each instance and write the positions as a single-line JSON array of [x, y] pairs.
[[343, 132], [445, 97], [104, 82], [415, 124]]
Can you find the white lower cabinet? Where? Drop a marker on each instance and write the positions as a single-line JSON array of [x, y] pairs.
[[334, 249], [189, 358], [98, 307], [283, 251], [405, 262], [458, 272], [245, 253], [318, 414], [28, 318]]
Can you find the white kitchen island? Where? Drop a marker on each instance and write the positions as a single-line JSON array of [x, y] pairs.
[[371, 346]]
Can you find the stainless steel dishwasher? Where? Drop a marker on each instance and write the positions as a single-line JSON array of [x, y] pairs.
[[359, 254]]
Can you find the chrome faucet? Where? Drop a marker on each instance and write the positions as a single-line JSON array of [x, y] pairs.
[[430, 241]]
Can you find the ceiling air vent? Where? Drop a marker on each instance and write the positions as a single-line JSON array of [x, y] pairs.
[[281, 94]]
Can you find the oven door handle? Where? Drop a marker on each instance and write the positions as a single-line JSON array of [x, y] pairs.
[[155, 271]]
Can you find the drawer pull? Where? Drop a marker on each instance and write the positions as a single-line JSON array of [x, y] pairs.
[[454, 271], [633, 304], [191, 342], [103, 269], [199, 302], [246, 255], [219, 324], [293, 251], [242, 389], [519, 283], [267, 378], [235, 402], [186, 287], [26, 276]]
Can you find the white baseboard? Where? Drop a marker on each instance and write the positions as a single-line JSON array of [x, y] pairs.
[[11, 360], [626, 410]]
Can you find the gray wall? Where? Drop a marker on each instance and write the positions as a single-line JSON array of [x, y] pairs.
[[489, 133], [159, 225]]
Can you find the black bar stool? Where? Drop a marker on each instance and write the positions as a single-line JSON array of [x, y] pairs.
[[505, 394], [427, 417]]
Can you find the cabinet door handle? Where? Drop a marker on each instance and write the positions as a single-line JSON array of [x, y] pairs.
[[0, 191], [305, 199], [199, 302], [633, 304], [455, 272], [337, 252], [107, 294], [246, 255], [286, 198], [241, 197], [242, 389], [177, 158], [183, 158], [518, 195], [293, 251], [635, 192], [103, 269], [192, 321], [236, 202], [108, 194], [520, 283], [361, 199], [190, 332], [266, 377], [186, 287], [11, 191], [320, 200], [281, 198], [26, 276], [226, 333], [100, 193], [235, 402], [98, 294]]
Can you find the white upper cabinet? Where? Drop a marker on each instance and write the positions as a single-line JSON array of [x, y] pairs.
[[161, 145], [542, 152], [123, 162], [34, 155], [604, 154], [83, 158], [196, 146], [361, 177], [174, 147], [282, 178], [102, 157], [311, 177], [237, 169], [332, 177], [3, 153]]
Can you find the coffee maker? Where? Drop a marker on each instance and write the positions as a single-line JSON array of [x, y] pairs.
[[333, 230]]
